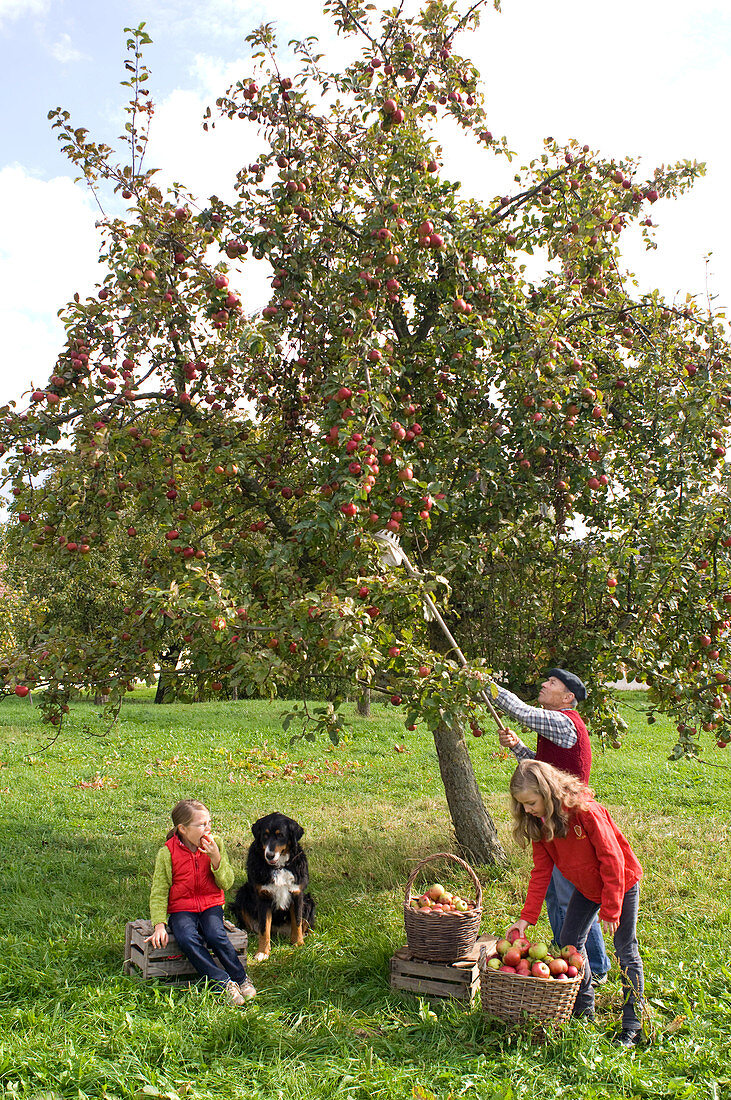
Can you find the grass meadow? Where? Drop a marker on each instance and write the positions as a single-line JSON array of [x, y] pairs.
[[82, 818]]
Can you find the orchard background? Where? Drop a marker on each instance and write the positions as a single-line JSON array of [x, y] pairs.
[[196, 487]]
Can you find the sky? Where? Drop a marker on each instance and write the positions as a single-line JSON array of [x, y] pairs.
[[649, 78]]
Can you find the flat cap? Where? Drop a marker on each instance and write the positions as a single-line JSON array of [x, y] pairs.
[[572, 682]]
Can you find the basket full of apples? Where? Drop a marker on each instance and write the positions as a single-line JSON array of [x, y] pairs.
[[441, 926], [523, 977]]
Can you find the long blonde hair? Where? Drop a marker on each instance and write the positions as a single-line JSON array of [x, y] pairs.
[[561, 792], [183, 813]]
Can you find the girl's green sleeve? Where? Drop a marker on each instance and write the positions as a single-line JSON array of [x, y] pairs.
[[224, 875], [162, 880]]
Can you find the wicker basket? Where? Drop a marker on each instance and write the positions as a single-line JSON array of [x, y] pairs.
[[442, 937], [511, 996]]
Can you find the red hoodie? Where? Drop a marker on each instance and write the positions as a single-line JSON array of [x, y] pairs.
[[594, 856]]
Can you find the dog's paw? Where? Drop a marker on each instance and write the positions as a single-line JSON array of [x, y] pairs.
[[260, 956]]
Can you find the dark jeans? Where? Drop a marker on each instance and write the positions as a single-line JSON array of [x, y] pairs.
[[558, 896], [580, 915], [196, 932]]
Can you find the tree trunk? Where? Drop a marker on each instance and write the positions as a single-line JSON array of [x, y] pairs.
[[474, 828], [166, 677], [364, 703]]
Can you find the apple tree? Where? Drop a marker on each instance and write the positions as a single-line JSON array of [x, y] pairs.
[[478, 376]]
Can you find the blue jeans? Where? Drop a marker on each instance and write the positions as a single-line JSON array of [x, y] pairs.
[[558, 896], [195, 933], [580, 915]]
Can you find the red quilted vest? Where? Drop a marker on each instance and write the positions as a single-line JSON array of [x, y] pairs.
[[577, 759], [193, 888]]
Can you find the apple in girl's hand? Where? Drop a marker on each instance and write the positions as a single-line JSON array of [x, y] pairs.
[[205, 839], [513, 935]]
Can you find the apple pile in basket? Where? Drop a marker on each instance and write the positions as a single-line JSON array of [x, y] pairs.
[[438, 900], [517, 955]]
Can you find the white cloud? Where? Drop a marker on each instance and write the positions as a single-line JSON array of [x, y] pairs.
[[205, 162], [48, 250], [15, 9], [64, 50]]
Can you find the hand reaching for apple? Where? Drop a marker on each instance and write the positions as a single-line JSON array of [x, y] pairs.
[[208, 845], [519, 927]]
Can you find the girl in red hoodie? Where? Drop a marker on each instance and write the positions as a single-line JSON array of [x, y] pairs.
[[187, 895], [569, 830]]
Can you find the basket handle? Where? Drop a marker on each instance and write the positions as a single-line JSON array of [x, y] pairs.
[[444, 855]]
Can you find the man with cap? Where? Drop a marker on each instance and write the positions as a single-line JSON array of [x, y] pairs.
[[563, 741]]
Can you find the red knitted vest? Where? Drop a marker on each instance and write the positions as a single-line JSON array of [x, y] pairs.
[[194, 888], [577, 759]]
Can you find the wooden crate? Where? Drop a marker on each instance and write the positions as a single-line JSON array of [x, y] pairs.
[[168, 961], [459, 980]]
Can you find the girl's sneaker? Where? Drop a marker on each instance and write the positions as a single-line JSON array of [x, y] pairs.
[[246, 989], [233, 994]]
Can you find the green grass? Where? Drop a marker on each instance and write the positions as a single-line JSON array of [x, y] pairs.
[[81, 820]]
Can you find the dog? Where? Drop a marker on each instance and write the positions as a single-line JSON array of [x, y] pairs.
[[274, 896]]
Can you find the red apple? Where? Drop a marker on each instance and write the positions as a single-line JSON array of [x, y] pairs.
[[512, 957]]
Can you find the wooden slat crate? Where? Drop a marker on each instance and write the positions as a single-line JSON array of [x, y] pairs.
[[459, 980], [168, 961]]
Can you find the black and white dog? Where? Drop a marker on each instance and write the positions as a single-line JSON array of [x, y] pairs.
[[274, 896]]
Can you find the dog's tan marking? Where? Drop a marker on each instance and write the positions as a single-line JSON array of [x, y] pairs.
[[265, 938]]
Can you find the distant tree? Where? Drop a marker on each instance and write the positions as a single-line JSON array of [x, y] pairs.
[[549, 447]]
